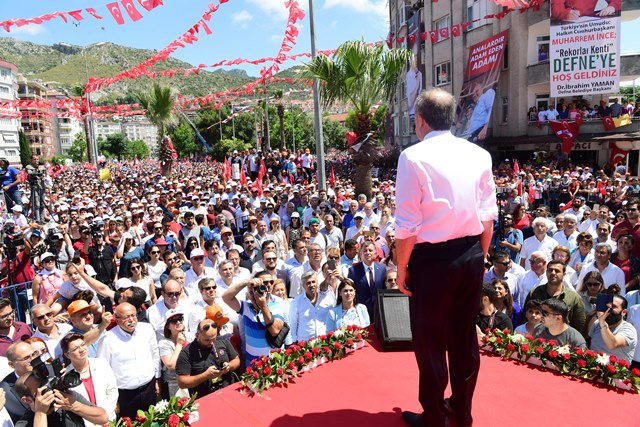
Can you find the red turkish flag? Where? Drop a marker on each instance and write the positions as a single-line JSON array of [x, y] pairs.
[[262, 171], [444, 33], [149, 5], [532, 193], [455, 30], [434, 36], [516, 167], [412, 38], [243, 178], [227, 170], [131, 10], [114, 9], [617, 155], [423, 36], [93, 12], [332, 177], [608, 124], [76, 14], [566, 131]]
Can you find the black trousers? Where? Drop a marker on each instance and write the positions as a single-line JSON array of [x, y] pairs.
[[139, 398], [446, 281]]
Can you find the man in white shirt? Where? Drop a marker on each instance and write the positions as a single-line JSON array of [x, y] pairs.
[[333, 233], [568, 235], [48, 330], [170, 300], [611, 273], [294, 265], [532, 278], [314, 263], [505, 269], [540, 241], [355, 231], [309, 310], [209, 294], [131, 349], [369, 215], [198, 270]]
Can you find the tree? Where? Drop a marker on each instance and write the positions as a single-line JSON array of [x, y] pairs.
[[184, 140], [78, 150], [25, 149], [113, 146], [334, 134], [159, 105], [278, 94], [58, 159], [208, 124], [225, 147], [360, 75], [133, 149]]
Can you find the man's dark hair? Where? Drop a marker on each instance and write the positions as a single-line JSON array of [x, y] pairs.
[[261, 273], [188, 214], [557, 262], [86, 295], [437, 108], [138, 297], [265, 243], [488, 291], [5, 302], [350, 244], [166, 254], [208, 244], [204, 282], [150, 225], [557, 306], [234, 251], [623, 301], [500, 255], [199, 219]]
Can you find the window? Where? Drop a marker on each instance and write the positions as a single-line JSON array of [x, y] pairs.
[[542, 101], [440, 24], [11, 152], [505, 110], [442, 73], [505, 57], [476, 9], [543, 48], [4, 89]]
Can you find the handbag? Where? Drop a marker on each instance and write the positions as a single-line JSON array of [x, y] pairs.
[[278, 340]]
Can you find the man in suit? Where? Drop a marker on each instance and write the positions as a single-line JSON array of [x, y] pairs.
[[19, 355], [368, 276]]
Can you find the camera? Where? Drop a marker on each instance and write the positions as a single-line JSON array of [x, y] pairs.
[[260, 289], [51, 376]]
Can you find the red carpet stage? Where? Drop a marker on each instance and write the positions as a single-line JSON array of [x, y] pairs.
[[371, 388]]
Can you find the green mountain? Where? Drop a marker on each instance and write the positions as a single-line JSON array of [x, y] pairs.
[[64, 66]]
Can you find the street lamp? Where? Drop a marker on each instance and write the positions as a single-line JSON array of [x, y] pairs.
[[317, 109]]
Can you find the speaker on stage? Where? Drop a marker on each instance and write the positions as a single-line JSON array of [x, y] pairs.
[[392, 320]]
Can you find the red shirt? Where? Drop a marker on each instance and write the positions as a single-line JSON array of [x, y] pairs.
[[91, 392]]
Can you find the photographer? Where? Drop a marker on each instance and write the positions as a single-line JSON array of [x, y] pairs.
[[53, 407], [507, 238], [35, 176], [12, 193], [60, 245], [17, 266]]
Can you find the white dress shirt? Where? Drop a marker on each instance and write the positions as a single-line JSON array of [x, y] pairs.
[[191, 279], [53, 344], [308, 321], [439, 201], [295, 278], [134, 358], [563, 240], [157, 312], [532, 244], [526, 283], [612, 274]]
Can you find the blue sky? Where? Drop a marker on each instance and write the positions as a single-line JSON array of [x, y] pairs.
[[241, 28]]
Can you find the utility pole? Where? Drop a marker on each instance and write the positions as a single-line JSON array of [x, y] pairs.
[[92, 147], [233, 122], [317, 109]]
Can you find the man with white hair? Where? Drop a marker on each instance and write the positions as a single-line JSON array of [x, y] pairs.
[[533, 278], [569, 233], [540, 241]]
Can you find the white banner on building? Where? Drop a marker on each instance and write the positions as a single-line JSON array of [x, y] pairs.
[[584, 47]]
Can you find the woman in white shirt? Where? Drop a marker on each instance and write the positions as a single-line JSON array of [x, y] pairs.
[[347, 311], [155, 267], [137, 276]]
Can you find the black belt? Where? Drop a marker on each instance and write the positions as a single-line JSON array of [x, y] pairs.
[[468, 240]]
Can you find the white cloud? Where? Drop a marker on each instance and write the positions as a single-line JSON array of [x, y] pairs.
[[276, 8], [333, 25], [378, 7], [31, 29], [243, 17]]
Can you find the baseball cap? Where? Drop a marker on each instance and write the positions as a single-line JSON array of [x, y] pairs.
[[314, 221], [46, 255], [172, 313], [214, 312], [196, 252], [295, 215], [359, 215], [78, 306]]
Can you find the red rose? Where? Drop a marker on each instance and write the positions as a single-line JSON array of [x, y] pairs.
[[539, 350], [301, 360], [511, 347], [255, 375], [337, 345], [498, 340], [636, 372], [579, 351], [349, 342], [553, 343], [506, 331], [525, 347], [258, 364], [485, 338], [358, 337], [322, 337], [127, 421], [326, 349], [330, 334], [613, 359], [279, 371], [185, 417], [611, 369], [183, 401], [582, 363], [529, 337], [542, 340], [294, 347], [623, 363], [267, 370], [140, 419], [288, 352], [249, 370], [300, 343], [291, 365], [566, 356], [590, 353], [553, 354], [173, 420], [315, 350]]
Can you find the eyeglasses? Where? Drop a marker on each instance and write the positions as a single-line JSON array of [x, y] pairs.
[[154, 252], [602, 252], [42, 316], [135, 268], [536, 260], [197, 258], [208, 326], [8, 315], [171, 259], [81, 345], [632, 209], [268, 282], [271, 259], [390, 280], [157, 228], [315, 250], [593, 284], [173, 294], [48, 260], [508, 263], [209, 288], [334, 257], [548, 313], [247, 242], [176, 319]]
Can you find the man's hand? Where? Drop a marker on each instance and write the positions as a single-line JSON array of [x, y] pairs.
[[573, 15], [3, 399], [64, 401], [607, 11], [212, 372], [43, 401], [503, 243], [107, 317], [602, 317], [181, 339], [403, 280], [483, 133]]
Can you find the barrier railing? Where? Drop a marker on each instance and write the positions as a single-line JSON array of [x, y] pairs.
[[20, 296]]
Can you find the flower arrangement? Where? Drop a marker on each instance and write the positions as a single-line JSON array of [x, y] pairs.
[[281, 365], [175, 412], [581, 363]]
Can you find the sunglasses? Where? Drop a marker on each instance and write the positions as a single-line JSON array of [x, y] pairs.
[[268, 282], [42, 316], [197, 258], [176, 319], [154, 252], [270, 259], [593, 284], [208, 326], [548, 313], [209, 288], [157, 228], [506, 263], [49, 260], [173, 294], [135, 267]]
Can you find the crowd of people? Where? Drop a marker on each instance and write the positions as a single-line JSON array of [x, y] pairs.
[[151, 287], [573, 110]]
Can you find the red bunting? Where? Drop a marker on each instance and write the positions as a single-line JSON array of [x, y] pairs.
[[114, 9], [434, 36], [131, 10], [455, 30], [617, 155], [444, 33], [608, 124], [93, 13], [76, 14]]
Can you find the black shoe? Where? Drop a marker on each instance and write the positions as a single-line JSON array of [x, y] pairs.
[[447, 406], [412, 419]]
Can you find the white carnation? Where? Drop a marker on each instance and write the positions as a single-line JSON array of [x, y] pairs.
[[563, 350], [602, 359], [338, 333], [161, 406], [518, 338]]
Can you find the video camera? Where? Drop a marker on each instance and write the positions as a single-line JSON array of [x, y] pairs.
[[51, 376]]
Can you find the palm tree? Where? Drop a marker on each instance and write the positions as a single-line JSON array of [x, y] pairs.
[[159, 105], [278, 94], [360, 75]]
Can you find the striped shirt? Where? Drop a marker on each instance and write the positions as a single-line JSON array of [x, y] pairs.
[[253, 331]]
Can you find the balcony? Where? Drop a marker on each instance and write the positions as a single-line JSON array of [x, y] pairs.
[[540, 73], [591, 127]]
